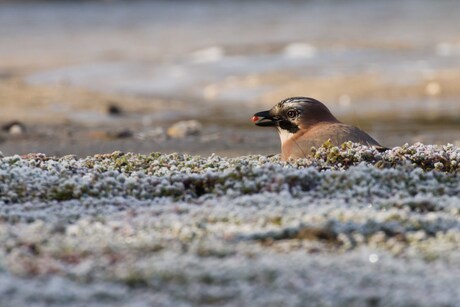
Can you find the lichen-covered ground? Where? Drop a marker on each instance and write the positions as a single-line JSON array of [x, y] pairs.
[[350, 227]]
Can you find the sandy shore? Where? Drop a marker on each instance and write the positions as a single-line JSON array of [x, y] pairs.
[[62, 64], [62, 120], [66, 120]]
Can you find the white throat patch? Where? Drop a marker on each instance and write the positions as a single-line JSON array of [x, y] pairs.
[[284, 135]]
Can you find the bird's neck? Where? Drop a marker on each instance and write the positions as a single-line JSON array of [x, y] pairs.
[[299, 143], [284, 135]]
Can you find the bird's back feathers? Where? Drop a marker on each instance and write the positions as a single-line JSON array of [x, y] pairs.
[[299, 145]]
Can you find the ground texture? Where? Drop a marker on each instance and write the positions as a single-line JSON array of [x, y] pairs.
[[350, 226]]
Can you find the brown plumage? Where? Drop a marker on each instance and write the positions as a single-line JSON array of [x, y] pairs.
[[304, 122]]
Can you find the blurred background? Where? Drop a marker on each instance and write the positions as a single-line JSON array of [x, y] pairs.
[[87, 77]]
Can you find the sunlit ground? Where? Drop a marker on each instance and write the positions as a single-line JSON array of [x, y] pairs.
[[389, 68]]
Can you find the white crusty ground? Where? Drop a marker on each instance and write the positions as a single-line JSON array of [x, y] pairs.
[[350, 226]]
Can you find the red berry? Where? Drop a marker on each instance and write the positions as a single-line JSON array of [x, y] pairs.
[[255, 118]]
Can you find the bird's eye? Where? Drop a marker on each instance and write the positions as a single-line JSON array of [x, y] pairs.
[[291, 113]]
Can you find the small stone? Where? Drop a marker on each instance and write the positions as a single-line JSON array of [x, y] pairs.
[[185, 128], [114, 110], [14, 128], [433, 89], [299, 50], [121, 134]]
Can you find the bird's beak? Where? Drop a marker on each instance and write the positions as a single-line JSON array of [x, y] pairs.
[[264, 119]]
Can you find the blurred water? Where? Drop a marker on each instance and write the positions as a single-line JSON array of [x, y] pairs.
[[364, 58]]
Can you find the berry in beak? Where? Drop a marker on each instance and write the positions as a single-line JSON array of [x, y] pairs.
[[264, 119]]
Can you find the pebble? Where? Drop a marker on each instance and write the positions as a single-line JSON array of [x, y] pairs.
[[120, 134], [114, 110], [14, 128], [185, 128]]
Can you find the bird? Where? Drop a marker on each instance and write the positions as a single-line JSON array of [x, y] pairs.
[[304, 122]]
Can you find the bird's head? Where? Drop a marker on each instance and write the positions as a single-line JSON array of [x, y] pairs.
[[294, 114]]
